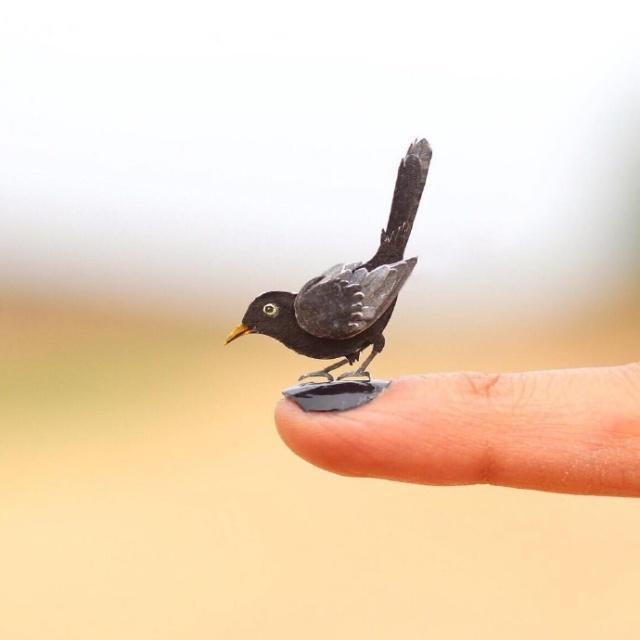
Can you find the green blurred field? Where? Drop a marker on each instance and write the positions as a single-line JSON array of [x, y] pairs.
[[145, 494]]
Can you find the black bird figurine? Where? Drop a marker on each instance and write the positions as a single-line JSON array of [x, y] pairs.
[[343, 311]]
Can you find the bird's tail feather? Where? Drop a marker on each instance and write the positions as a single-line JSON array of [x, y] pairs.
[[412, 175]]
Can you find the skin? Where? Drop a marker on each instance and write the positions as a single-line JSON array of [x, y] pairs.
[[570, 431]]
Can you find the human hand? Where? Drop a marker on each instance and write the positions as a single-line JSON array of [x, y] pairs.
[[573, 431]]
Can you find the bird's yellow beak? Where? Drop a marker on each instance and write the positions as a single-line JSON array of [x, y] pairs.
[[240, 330]]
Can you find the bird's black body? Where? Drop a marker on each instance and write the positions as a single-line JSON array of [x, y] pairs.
[[346, 309], [304, 343]]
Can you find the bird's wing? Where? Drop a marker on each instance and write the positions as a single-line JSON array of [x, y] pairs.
[[347, 299]]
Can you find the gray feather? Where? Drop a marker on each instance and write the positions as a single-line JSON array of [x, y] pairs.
[[347, 299]]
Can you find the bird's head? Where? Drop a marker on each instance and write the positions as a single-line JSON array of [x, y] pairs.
[[270, 313]]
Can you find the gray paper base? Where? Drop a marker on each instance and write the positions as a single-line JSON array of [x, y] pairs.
[[339, 395]]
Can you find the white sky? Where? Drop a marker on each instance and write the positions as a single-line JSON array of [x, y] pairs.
[[168, 151]]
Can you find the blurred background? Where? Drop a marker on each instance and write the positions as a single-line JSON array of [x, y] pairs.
[[160, 165]]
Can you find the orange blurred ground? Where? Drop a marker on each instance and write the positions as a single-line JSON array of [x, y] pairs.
[[145, 494]]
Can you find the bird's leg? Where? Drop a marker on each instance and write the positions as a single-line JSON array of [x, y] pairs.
[[325, 372], [361, 371]]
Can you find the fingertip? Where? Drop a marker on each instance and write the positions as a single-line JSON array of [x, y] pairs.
[[315, 436], [352, 442], [287, 417]]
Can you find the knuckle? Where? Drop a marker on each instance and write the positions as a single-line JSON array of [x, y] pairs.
[[488, 470], [500, 397], [482, 385]]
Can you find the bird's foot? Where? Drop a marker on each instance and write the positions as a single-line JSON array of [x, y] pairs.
[[355, 374], [317, 374]]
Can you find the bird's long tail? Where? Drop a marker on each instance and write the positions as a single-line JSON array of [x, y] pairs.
[[412, 175]]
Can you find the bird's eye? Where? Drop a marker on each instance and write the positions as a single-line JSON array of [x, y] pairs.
[[270, 310]]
